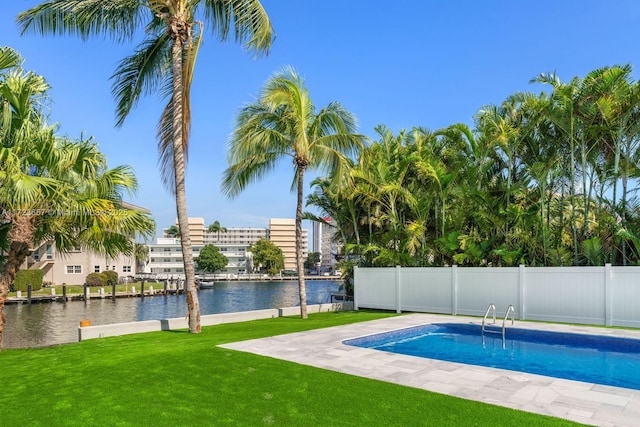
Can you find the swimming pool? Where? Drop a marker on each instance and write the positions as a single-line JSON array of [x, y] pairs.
[[597, 359]]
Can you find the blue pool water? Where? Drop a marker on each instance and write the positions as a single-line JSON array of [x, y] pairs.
[[595, 359]]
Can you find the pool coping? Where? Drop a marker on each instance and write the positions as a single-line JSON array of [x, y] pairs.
[[582, 402]]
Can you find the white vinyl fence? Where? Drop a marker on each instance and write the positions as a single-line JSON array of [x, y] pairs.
[[591, 295]]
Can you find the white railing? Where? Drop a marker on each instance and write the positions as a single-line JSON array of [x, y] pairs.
[[591, 295]]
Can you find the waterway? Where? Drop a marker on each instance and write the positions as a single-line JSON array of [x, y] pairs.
[[45, 324]]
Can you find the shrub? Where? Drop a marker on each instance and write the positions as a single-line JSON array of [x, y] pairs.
[[96, 279], [112, 277], [28, 277]]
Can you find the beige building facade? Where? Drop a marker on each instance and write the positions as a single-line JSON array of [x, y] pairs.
[[72, 268], [282, 233]]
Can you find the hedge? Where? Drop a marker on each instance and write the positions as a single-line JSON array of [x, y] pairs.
[[28, 277]]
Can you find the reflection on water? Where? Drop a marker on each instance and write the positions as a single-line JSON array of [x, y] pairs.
[[56, 323]]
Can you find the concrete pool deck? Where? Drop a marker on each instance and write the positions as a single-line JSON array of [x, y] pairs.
[[586, 403]]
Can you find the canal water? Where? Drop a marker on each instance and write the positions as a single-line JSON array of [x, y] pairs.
[[44, 324]]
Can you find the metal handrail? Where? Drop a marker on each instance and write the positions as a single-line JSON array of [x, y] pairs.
[[489, 309], [511, 310]]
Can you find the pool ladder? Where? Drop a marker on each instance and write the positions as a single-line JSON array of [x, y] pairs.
[[492, 309]]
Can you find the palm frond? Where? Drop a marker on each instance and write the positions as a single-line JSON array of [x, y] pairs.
[[252, 26], [140, 73], [118, 19]]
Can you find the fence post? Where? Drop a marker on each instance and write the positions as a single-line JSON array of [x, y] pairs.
[[521, 289], [608, 303], [64, 292], [29, 290], [86, 292], [454, 290], [355, 290], [113, 291], [398, 290]]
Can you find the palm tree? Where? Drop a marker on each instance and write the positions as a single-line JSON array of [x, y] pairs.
[[56, 189], [217, 228], [141, 254], [172, 231], [283, 123], [164, 60]]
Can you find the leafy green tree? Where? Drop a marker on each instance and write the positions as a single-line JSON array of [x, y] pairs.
[[211, 260], [267, 256], [283, 124], [163, 62], [312, 261]]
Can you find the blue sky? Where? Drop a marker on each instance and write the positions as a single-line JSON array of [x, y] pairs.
[[402, 64]]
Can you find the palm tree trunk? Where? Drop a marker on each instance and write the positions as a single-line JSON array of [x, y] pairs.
[[299, 244], [193, 304], [21, 239]]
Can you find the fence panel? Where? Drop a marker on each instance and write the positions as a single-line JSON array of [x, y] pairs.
[[426, 290], [625, 296], [565, 294], [591, 295], [376, 288], [478, 287]]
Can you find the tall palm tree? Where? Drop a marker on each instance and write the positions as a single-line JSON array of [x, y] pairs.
[[164, 60], [283, 123], [217, 228]]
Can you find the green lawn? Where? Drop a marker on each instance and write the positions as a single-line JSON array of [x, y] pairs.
[[178, 379]]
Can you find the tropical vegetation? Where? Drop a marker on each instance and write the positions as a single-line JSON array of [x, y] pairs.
[[54, 188], [164, 63], [543, 179], [283, 124]]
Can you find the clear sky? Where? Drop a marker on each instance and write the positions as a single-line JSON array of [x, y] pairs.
[[402, 64]]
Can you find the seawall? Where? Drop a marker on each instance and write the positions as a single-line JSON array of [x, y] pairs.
[[118, 329]]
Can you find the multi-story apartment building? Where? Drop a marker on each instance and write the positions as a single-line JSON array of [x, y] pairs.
[[236, 235], [72, 268], [282, 233], [165, 256], [329, 245]]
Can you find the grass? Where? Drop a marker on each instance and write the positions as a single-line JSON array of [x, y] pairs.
[[178, 379]]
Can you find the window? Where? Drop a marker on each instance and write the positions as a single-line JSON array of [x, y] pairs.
[[167, 249], [126, 269], [96, 269], [74, 269], [113, 267]]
